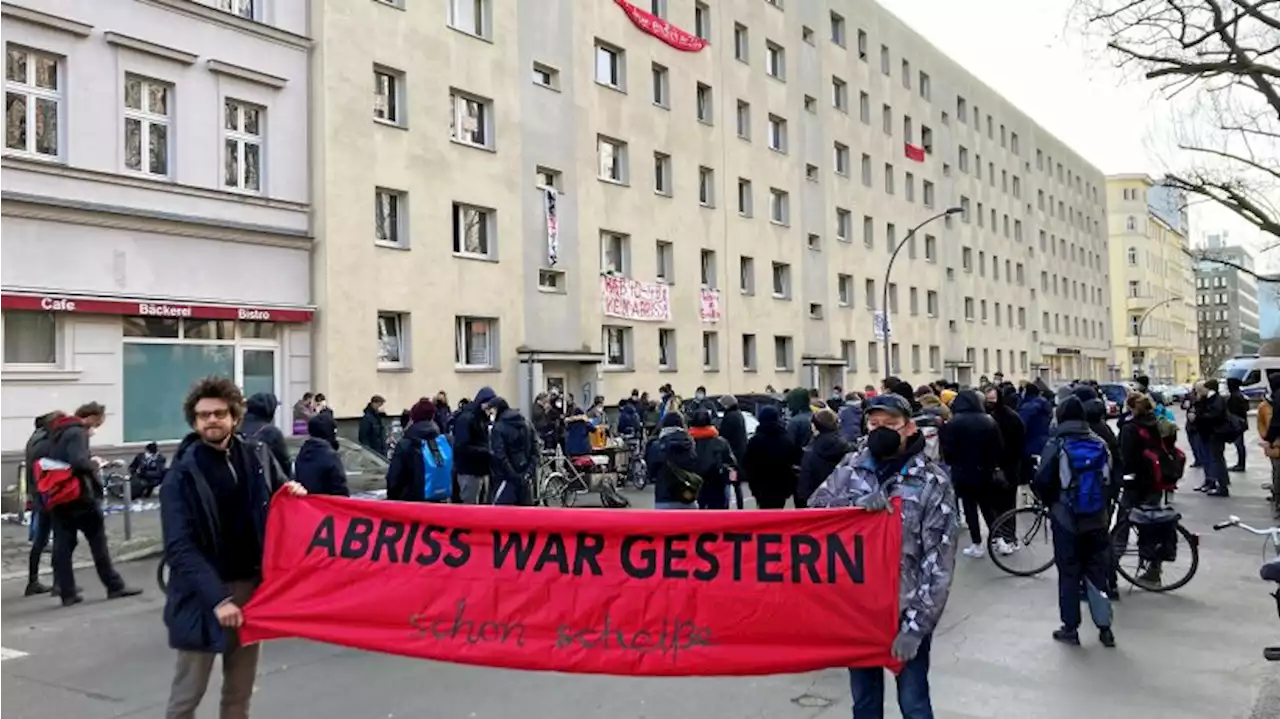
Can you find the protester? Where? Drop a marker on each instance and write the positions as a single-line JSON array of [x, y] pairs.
[[851, 417], [1013, 437], [471, 448], [672, 461], [629, 422], [1142, 448], [321, 404], [931, 405], [1198, 444], [38, 447], [893, 464], [213, 510], [443, 413], [259, 425], [513, 456], [147, 471], [733, 427], [800, 424], [821, 456], [302, 411], [715, 461], [1072, 481], [1213, 425], [1238, 406], [372, 433], [769, 466], [318, 467], [1036, 416], [407, 479], [973, 448]]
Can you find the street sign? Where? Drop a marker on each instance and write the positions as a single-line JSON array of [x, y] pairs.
[[880, 325]]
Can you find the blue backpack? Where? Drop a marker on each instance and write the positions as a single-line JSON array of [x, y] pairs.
[[1084, 467], [438, 486]]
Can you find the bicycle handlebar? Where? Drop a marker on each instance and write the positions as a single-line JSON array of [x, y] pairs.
[[1235, 522]]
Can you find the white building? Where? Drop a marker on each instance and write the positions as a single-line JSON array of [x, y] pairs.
[[156, 207]]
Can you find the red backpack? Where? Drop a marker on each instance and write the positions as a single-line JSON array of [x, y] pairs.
[[1167, 461], [56, 483]]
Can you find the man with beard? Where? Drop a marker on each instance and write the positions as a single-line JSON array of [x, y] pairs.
[[214, 505], [894, 464]]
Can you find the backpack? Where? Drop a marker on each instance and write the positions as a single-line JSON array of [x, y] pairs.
[[1167, 461], [56, 483], [437, 462], [1084, 467], [1232, 429], [686, 482]]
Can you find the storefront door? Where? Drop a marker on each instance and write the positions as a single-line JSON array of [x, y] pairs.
[[256, 370]]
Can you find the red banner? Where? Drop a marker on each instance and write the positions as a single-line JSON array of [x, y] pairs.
[[150, 308], [634, 593], [915, 152], [661, 29]]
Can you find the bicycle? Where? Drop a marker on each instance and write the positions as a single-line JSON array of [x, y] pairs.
[[560, 482], [1270, 568]]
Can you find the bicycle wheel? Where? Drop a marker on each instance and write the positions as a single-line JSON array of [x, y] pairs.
[[639, 474], [556, 491], [162, 575], [1032, 547], [1169, 575]]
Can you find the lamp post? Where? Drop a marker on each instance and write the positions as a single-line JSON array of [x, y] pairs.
[[1143, 320], [888, 367]]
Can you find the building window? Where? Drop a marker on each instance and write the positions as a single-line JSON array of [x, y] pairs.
[[844, 290], [888, 178], [610, 66], [33, 102], [782, 353], [658, 8], [873, 357], [1133, 256], [864, 108], [930, 248], [30, 338], [475, 338], [706, 187], [844, 225], [242, 141], [747, 275], [388, 96], [705, 103], [710, 351], [781, 281], [707, 268], [968, 308], [815, 311], [928, 191], [837, 29], [662, 174], [926, 86], [779, 207], [1131, 223], [617, 347], [741, 43], [615, 255], [749, 353], [470, 16], [546, 76], [884, 59], [775, 61], [869, 291], [777, 133], [472, 120], [389, 218], [146, 125], [613, 159], [665, 262], [661, 86], [744, 120], [744, 197], [392, 340], [666, 349], [702, 21], [839, 94], [842, 159], [931, 303], [886, 119], [474, 230]]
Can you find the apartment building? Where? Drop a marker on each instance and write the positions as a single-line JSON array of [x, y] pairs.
[[611, 195], [155, 207], [1226, 303], [1153, 290]]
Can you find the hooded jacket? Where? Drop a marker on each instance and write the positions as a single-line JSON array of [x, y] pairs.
[[733, 427], [69, 442], [800, 426], [514, 455], [1210, 415], [819, 461], [471, 436], [769, 466], [318, 467], [1036, 415], [931, 405], [259, 411], [1133, 448], [971, 443], [1047, 483], [714, 460], [1237, 403], [372, 433], [407, 476], [1095, 415], [851, 421], [1013, 434], [675, 446]]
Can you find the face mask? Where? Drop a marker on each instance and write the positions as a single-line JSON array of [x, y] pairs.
[[991, 406], [700, 395], [883, 442]]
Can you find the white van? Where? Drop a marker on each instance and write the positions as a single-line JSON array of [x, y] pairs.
[[1252, 371]]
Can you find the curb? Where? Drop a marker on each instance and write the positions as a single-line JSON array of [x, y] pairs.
[[136, 555]]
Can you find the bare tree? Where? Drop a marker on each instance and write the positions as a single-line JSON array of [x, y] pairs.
[[1219, 60]]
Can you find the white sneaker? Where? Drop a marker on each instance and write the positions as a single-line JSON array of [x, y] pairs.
[[1003, 548], [974, 551]]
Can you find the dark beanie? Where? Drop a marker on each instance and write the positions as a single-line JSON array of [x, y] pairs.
[[1071, 409], [701, 418], [423, 411], [672, 419]]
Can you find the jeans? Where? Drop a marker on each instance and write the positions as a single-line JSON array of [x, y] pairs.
[[1198, 449], [68, 522], [1215, 464], [1082, 555], [473, 489], [239, 669], [41, 529], [1240, 451], [867, 687]]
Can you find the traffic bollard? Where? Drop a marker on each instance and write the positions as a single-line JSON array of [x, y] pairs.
[[128, 508]]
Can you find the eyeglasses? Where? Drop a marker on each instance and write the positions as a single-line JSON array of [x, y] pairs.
[[213, 414]]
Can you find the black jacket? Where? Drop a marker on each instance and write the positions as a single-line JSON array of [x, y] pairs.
[[1238, 404], [971, 443], [38, 447], [714, 460], [769, 466], [733, 427], [1013, 434], [471, 436], [150, 469], [820, 460], [1211, 415], [372, 432], [407, 477], [69, 442], [259, 410], [514, 453], [319, 468], [1047, 484], [675, 446], [1132, 453]]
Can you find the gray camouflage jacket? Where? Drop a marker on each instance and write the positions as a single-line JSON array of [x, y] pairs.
[[929, 525]]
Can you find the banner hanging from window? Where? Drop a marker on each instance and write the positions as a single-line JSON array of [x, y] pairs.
[[709, 310], [914, 152], [550, 198], [630, 299], [661, 29], [636, 593]]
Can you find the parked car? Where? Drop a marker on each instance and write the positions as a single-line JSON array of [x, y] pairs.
[[1115, 393], [366, 470]]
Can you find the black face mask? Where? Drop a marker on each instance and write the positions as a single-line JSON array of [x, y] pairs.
[[883, 442]]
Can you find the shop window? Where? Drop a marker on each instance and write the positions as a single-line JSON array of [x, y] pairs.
[[157, 377], [30, 338]]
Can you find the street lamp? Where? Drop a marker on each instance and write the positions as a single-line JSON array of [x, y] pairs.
[[1143, 319], [888, 367]]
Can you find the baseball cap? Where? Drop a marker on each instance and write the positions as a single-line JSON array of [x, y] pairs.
[[889, 402]]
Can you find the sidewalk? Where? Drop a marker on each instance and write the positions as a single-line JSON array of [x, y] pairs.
[[145, 541]]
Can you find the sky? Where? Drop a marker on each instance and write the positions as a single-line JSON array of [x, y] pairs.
[[1030, 52]]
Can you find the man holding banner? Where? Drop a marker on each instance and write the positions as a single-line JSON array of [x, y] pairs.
[[893, 464]]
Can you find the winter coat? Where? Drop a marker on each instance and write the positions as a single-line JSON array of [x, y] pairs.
[[1013, 434], [1047, 483], [259, 412], [769, 466], [800, 426], [675, 446], [514, 457], [444, 417], [851, 421], [1132, 453], [1238, 404], [733, 427], [38, 447], [69, 442], [714, 460], [372, 432], [150, 469], [407, 475], [819, 461], [971, 443], [931, 405], [1036, 415], [318, 467], [471, 436], [193, 541], [577, 436], [629, 420], [1211, 414]]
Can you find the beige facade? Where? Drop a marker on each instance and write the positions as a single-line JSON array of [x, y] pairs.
[[771, 166], [1152, 285]]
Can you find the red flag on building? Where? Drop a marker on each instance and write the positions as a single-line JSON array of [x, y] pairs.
[[915, 152]]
